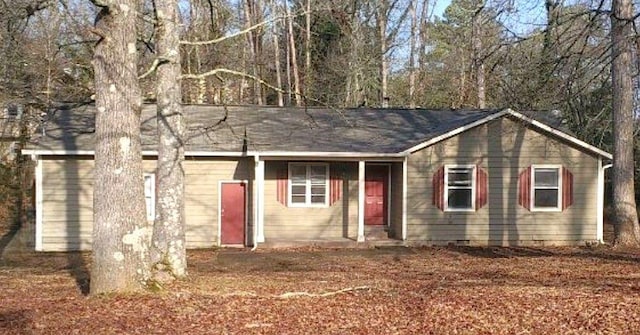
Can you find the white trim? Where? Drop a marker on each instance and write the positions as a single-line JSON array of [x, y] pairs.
[[246, 216], [455, 132], [308, 186], [558, 207], [325, 154], [63, 152], [150, 212], [280, 155], [39, 205], [397, 158], [260, 195], [48, 152], [473, 187], [404, 197], [515, 114], [600, 201], [560, 134], [361, 200]]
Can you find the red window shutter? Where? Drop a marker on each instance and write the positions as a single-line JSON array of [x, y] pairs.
[[567, 188], [481, 187], [335, 188], [282, 185], [524, 187], [438, 188]]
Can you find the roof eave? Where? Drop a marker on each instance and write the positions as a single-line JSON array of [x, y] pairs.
[[301, 154], [560, 134], [519, 116], [454, 132]]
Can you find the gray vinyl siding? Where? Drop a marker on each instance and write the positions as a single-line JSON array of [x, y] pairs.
[[503, 148], [67, 193], [332, 222]]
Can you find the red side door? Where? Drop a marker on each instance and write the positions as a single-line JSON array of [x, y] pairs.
[[233, 213], [375, 185]]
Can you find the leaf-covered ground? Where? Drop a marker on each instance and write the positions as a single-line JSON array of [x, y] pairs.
[[319, 291]]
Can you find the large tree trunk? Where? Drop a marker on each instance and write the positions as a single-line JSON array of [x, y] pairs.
[[120, 230], [627, 231], [169, 252]]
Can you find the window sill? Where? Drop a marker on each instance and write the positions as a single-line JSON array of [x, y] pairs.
[[542, 210], [307, 206], [459, 210]]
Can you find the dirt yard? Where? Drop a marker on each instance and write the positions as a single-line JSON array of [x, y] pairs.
[[361, 291]]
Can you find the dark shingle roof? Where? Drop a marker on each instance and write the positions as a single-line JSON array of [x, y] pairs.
[[272, 129]]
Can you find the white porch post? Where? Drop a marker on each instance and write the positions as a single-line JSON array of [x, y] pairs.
[[600, 203], [39, 207], [404, 198], [361, 201], [260, 200]]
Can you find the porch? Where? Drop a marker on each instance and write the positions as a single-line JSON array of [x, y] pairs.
[[360, 204]]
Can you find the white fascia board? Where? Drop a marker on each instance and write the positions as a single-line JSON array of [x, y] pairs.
[[60, 152], [517, 115], [323, 155], [282, 154], [64, 152], [560, 134], [454, 132]]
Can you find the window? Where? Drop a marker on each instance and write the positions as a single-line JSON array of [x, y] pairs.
[[308, 184], [545, 187], [459, 187], [150, 195]]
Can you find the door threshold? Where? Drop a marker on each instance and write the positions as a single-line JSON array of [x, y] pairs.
[[238, 246]]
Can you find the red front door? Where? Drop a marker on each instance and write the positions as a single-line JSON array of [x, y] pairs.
[[375, 185], [232, 213]]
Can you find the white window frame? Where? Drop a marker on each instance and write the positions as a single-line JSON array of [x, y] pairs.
[[308, 202], [446, 187], [533, 207], [151, 212]]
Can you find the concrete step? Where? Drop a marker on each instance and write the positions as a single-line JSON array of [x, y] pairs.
[[376, 233]]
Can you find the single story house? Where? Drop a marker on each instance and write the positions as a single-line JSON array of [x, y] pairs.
[[263, 174]]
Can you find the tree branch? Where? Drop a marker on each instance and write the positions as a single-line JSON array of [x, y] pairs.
[[238, 33], [216, 72], [154, 66], [288, 295]]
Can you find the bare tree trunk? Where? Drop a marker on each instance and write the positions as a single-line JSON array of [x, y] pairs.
[[252, 9], [288, 56], [307, 50], [120, 230], [412, 53], [478, 61], [169, 252], [276, 58], [384, 66], [627, 231], [294, 61], [424, 41]]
